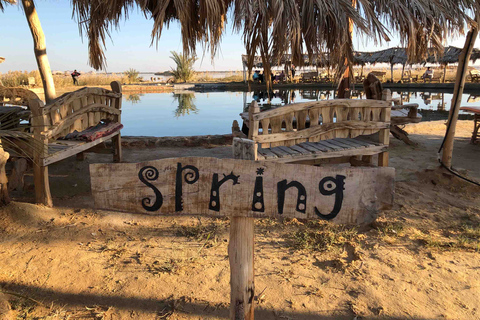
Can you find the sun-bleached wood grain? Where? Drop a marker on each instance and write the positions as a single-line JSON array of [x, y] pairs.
[[366, 190]]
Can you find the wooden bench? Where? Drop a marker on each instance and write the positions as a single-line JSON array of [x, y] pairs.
[[317, 132], [408, 77], [73, 111], [475, 75], [309, 76]]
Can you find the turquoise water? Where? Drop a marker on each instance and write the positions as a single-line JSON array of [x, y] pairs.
[[207, 113]]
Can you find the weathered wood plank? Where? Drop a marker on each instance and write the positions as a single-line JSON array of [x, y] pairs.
[[280, 152], [313, 148], [326, 143], [322, 130], [348, 103], [267, 153], [301, 150], [341, 195]]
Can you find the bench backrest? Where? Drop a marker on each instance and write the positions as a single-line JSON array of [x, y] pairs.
[[16, 96], [318, 120], [76, 110]]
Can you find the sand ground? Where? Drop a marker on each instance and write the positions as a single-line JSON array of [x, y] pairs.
[[419, 260]]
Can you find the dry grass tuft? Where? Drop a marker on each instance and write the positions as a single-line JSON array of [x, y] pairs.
[[322, 236]]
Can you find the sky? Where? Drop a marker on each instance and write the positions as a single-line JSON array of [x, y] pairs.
[[129, 47]]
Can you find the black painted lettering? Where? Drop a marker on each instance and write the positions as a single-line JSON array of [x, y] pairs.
[[327, 187], [215, 190], [258, 204], [145, 175], [190, 178], [282, 186]]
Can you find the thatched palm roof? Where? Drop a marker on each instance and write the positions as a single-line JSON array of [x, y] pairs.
[[391, 55], [274, 27], [399, 56], [451, 55], [313, 60]]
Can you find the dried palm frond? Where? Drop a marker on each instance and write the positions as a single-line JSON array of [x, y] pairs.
[[15, 128], [15, 135], [4, 2], [273, 28]]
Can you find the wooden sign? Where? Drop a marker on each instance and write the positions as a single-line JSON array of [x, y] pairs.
[[243, 188]]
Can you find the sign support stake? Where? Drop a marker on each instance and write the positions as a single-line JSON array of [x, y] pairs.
[[240, 252]]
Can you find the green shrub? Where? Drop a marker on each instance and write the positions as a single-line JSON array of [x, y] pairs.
[[184, 71]]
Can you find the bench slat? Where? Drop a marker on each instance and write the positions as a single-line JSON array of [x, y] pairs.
[[307, 146], [300, 149], [267, 153], [360, 142], [345, 141], [280, 152], [327, 144], [318, 147], [289, 150]]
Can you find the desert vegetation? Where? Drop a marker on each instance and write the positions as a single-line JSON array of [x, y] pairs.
[[184, 66], [20, 78]]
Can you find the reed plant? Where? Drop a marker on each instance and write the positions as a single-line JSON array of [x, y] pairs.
[[20, 78]]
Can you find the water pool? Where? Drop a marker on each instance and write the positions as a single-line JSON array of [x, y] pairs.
[[206, 113]]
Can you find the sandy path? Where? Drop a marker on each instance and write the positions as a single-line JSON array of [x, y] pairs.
[[420, 260]]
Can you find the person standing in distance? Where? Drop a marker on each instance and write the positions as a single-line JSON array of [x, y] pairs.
[[75, 75]]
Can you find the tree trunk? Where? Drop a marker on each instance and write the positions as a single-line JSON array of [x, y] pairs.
[[457, 95], [40, 49]]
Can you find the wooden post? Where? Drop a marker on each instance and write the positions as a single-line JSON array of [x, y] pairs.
[[240, 252], [40, 49], [4, 197], [391, 71], [457, 95], [384, 134], [117, 140], [403, 72], [40, 172], [444, 72]]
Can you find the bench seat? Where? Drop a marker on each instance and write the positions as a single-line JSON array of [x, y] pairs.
[[62, 149], [333, 148]]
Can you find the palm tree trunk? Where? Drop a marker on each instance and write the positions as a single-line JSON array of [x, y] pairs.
[[40, 49]]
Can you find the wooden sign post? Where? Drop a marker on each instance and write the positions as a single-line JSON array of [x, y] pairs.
[[243, 190]]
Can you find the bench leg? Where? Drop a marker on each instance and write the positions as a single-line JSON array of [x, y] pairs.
[[42, 187], [383, 159], [81, 156], [117, 148], [367, 159]]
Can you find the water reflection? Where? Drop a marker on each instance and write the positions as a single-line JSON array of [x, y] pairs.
[[186, 104], [432, 105], [133, 98], [201, 113]]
